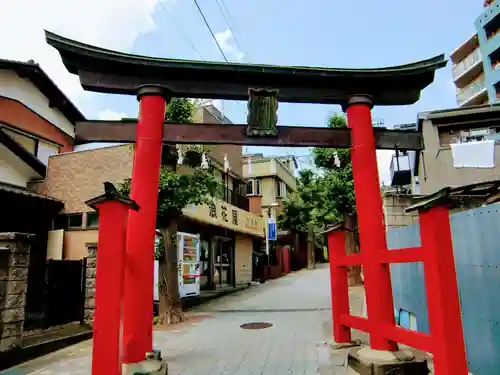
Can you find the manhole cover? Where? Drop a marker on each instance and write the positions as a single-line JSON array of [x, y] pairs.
[[257, 325]]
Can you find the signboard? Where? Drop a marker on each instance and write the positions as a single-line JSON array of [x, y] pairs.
[[189, 269], [224, 215], [271, 229]]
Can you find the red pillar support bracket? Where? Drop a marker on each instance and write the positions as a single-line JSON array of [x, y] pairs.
[[445, 320], [380, 306], [338, 283], [113, 211], [138, 296]]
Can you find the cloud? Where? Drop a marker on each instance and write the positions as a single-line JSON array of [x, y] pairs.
[[113, 24], [224, 39], [110, 115]]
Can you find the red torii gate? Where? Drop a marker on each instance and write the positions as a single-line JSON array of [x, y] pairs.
[[155, 80]]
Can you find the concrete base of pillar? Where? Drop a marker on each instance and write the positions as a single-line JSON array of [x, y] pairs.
[[367, 361], [152, 365]]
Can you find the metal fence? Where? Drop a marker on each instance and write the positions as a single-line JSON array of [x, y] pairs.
[[476, 244]]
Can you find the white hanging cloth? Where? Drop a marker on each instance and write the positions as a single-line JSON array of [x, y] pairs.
[[204, 161], [227, 166], [479, 154], [180, 156], [336, 160]]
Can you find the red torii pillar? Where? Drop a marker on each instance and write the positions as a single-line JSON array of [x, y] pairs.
[[446, 339], [113, 211], [339, 286], [139, 276], [369, 206]]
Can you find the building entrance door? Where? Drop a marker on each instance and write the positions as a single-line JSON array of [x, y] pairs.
[[223, 261]]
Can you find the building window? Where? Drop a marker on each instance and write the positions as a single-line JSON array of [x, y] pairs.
[[40, 148], [65, 221], [75, 220], [92, 219], [253, 187], [474, 135], [27, 142], [280, 189], [46, 150]]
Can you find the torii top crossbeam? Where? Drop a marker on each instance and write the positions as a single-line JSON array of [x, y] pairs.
[[107, 71]]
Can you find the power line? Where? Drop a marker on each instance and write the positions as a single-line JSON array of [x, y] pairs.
[[210, 29], [227, 16], [182, 32]]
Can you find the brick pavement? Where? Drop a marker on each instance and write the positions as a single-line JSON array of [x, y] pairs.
[[297, 305]]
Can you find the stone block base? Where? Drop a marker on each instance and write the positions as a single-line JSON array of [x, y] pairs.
[[367, 361], [152, 365]]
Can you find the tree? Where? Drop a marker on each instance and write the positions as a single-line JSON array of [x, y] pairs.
[[326, 198], [175, 192], [340, 201], [302, 210]]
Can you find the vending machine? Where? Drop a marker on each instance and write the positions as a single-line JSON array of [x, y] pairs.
[[189, 269]]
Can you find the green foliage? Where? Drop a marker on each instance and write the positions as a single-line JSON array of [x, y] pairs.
[[323, 198], [180, 111], [298, 209], [177, 191], [327, 158], [337, 178]]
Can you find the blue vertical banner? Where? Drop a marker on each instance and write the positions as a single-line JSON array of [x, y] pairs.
[[271, 229]]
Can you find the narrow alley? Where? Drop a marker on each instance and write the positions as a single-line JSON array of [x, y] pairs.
[[297, 306]]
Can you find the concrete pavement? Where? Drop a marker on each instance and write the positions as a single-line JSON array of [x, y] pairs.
[[297, 306]]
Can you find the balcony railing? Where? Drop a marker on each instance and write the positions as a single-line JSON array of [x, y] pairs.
[[232, 197], [470, 91], [466, 63]]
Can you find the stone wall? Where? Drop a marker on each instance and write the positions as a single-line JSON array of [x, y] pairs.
[[14, 262], [394, 210], [88, 312]]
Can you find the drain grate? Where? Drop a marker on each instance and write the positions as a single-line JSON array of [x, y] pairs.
[[256, 325]]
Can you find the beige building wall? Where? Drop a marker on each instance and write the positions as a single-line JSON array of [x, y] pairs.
[[267, 185], [257, 169], [436, 169], [286, 176], [76, 243], [243, 259], [76, 177], [269, 170], [206, 115]]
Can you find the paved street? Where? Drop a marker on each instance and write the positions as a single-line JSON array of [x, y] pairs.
[[297, 306]]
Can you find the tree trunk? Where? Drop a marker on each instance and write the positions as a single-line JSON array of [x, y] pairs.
[[354, 272], [168, 285]]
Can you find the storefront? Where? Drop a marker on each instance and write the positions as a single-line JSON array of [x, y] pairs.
[[227, 236]]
